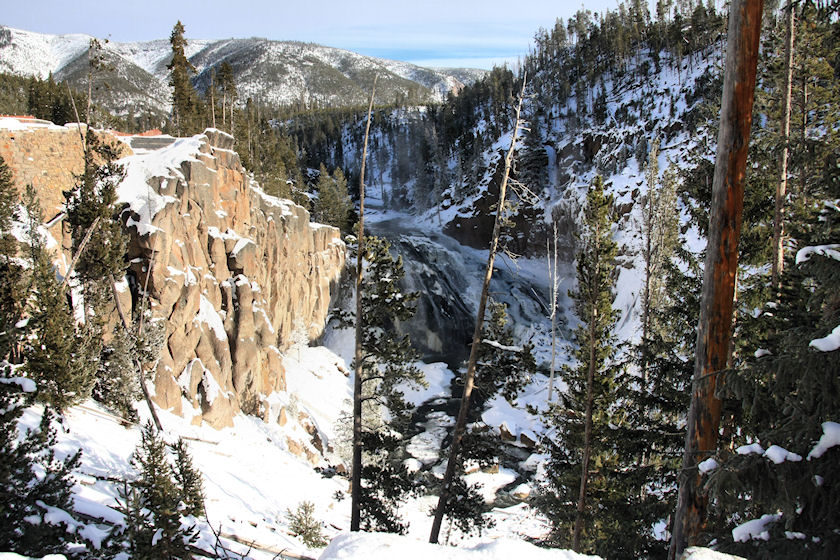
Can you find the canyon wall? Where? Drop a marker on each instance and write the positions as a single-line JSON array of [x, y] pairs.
[[237, 276]]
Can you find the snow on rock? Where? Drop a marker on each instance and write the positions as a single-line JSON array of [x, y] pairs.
[[438, 376], [828, 343], [379, 546], [208, 315], [144, 200], [830, 438], [755, 529]]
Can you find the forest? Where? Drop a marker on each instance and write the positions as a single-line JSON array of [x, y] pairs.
[[602, 96]]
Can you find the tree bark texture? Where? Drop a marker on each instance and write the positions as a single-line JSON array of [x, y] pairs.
[[716, 307]]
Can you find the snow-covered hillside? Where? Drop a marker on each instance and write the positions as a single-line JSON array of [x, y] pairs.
[[271, 72]]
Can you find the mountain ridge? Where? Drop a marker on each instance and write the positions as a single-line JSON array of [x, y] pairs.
[[270, 72]]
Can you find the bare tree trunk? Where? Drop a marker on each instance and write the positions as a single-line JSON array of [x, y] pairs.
[[356, 467], [80, 250], [781, 187], [212, 102], [714, 327], [469, 378], [552, 276]]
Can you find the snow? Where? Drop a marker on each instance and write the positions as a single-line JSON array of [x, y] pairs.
[[208, 315], [751, 448], [13, 556], [775, 453], [504, 348], [697, 553], [755, 529], [378, 546], [708, 465], [438, 376], [830, 438], [779, 455], [143, 170], [26, 385], [491, 482], [828, 343], [831, 251]]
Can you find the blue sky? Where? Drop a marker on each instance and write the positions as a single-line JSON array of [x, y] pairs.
[[471, 33]]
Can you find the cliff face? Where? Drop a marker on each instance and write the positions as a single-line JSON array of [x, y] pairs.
[[236, 274]]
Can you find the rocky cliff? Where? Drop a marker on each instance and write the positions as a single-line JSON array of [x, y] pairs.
[[238, 275]]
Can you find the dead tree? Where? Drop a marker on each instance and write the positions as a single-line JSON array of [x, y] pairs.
[[469, 378], [781, 187], [356, 467], [716, 304]]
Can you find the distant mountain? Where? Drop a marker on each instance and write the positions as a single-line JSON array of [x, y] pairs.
[[271, 72]]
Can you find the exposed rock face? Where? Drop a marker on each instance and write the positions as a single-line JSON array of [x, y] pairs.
[[49, 158], [234, 272]]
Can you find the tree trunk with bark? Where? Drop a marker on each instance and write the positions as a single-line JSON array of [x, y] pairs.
[[716, 307]]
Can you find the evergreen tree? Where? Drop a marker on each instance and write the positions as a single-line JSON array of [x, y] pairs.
[[582, 450], [153, 505], [32, 480], [186, 110], [94, 197], [333, 205], [502, 370], [53, 349], [12, 285], [387, 364], [303, 524], [188, 480], [92, 215], [227, 85]]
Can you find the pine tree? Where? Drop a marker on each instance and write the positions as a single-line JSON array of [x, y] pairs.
[[153, 505], [94, 198], [53, 349], [502, 371], [582, 450], [31, 478], [333, 205], [185, 106], [229, 96], [303, 524], [387, 364], [12, 285], [787, 390], [188, 478]]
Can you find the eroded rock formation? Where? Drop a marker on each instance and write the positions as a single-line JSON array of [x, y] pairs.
[[235, 273]]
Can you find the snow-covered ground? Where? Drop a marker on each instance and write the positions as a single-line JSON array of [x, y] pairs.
[[251, 475]]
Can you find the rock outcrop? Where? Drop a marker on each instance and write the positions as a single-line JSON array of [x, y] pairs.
[[237, 275]]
